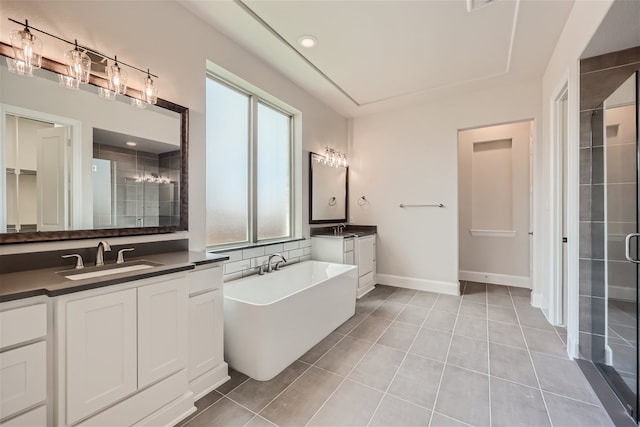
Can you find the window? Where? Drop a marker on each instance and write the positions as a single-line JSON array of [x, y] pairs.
[[249, 167]]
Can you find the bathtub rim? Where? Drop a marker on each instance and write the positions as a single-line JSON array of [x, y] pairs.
[[349, 268]]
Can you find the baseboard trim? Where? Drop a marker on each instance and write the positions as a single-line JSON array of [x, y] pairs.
[[449, 288], [537, 301], [209, 381], [495, 279]]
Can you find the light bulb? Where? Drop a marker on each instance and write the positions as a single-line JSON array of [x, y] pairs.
[[27, 51], [117, 78], [150, 91]]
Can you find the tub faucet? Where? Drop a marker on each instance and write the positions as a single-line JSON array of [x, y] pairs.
[[269, 267], [102, 246]]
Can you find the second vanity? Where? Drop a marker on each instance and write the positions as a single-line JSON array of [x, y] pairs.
[[135, 347], [354, 245]]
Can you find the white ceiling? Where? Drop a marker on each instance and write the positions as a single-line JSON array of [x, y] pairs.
[[374, 55]]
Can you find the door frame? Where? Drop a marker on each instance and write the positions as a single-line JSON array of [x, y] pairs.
[[569, 83], [559, 125]]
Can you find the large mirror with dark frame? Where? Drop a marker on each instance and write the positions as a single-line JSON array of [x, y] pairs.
[[76, 165], [328, 191]]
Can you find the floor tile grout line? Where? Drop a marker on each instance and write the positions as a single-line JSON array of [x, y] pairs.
[[244, 381], [371, 345], [533, 366], [279, 394], [386, 391], [195, 414], [275, 397], [489, 355], [451, 418], [444, 366], [336, 343], [630, 344]]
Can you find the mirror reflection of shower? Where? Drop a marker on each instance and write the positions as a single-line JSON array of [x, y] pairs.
[[136, 181]]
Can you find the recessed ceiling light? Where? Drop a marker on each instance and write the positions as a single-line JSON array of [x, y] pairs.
[[131, 144], [307, 41]]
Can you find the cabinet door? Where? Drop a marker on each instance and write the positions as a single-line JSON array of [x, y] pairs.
[[205, 333], [23, 376], [365, 254], [162, 330], [101, 352]]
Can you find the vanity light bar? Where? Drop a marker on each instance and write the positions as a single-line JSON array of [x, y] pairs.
[[331, 157], [148, 92]]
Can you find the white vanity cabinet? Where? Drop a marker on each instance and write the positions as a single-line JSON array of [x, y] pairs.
[[23, 363], [360, 251], [366, 253], [207, 368], [121, 354], [333, 249]]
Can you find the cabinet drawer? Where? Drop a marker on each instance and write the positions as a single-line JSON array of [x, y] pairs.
[[348, 245], [23, 375], [205, 279], [23, 324], [34, 418]]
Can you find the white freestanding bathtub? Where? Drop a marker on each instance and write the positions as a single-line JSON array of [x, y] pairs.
[[271, 320]]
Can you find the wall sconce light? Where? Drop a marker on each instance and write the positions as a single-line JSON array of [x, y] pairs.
[[27, 50], [332, 158]]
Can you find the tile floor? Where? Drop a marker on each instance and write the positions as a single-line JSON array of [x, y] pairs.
[[412, 358]]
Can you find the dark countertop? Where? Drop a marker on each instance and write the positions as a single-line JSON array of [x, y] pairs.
[[29, 283], [348, 231]]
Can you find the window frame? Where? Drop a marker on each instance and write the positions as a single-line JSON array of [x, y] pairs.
[[252, 166]]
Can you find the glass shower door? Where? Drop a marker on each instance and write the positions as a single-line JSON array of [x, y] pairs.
[[621, 222]]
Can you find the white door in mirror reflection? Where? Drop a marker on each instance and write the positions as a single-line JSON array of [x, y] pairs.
[[53, 179], [35, 158], [103, 185]]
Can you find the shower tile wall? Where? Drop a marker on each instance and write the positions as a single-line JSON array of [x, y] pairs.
[[599, 77], [142, 203]]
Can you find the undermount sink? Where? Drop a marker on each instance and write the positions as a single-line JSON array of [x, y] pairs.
[[107, 270]]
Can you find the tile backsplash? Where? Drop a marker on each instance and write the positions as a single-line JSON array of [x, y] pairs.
[[246, 262]]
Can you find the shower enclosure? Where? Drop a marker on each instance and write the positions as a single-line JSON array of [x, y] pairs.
[[609, 213], [621, 146]]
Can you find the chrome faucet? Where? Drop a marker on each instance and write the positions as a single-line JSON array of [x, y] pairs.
[[269, 268], [338, 229], [102, 247]]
